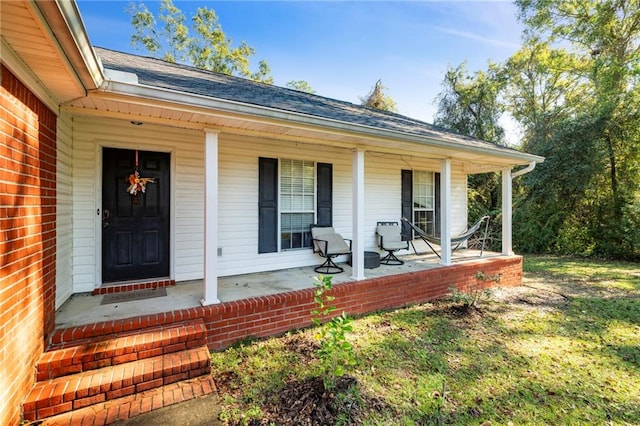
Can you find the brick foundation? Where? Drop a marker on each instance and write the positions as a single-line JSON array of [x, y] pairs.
[[264, 316], [27, 238]]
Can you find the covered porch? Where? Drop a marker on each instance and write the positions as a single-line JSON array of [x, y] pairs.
[[225, 212], [268, 303]]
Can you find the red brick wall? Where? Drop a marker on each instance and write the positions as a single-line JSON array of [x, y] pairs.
[[271, 315], [27, 238]]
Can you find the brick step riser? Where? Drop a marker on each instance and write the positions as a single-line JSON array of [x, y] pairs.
[[125, 287], [73, 392], [119, 350], [93, 334], [71, 336]]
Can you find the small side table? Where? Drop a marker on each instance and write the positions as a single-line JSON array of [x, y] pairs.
[[371, 259]]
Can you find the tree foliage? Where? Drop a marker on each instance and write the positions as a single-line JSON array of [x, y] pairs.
[[468, 104], [204, 44], [591, 139], [573, 89], [300, 85], [377, 98]]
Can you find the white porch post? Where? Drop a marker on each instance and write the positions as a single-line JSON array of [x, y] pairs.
[[210, 287], [445, 212], [357, 248], [507, 221]]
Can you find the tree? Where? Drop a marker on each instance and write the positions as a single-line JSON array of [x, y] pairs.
[[543, 92], [469, 104], [378, 99], [300, 85], [209, 49], [542, 86], [601, 118]]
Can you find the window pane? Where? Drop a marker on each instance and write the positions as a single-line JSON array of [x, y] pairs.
[[297, 183], [297, 196], [285, 203], [296, 230], [296, 204], [308, 202], [424, 221], [423, 200]]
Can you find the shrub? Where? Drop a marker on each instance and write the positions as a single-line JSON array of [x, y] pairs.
[[335, 351], [470, 296]]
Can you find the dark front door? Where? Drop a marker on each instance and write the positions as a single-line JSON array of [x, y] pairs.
[[135, 228]]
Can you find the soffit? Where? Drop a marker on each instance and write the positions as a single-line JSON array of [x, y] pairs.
[[45, 47]]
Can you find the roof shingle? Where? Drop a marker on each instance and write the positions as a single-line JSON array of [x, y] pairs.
[[186, 79]]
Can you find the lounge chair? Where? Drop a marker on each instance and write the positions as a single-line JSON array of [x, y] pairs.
[[329, 244], [457, 240], [390, 240]]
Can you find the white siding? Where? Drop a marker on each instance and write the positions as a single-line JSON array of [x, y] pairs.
[[238, 195], [64, 284], [383, 192]]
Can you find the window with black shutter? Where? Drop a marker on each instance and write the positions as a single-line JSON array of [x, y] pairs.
[[421, 201], [302, 193]]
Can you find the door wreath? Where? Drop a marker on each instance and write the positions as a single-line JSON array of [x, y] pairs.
[[136, 183]]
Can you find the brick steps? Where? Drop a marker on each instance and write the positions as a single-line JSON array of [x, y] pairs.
[[98, 370], [108, 412], [71, 336], [104, 351]]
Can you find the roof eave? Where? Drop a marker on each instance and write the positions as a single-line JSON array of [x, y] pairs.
[[239, 108]]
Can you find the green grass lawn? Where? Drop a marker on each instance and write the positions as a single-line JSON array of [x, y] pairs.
[[562, 349]]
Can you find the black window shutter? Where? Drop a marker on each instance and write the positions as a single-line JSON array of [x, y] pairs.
[[407, 202], [324, 194], [267, 205], [437, 192]]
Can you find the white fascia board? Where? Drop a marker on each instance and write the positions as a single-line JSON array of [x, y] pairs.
[[67, 31], [69, 10], [234, 107]]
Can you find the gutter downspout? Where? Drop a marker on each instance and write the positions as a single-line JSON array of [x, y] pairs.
[[529, 168]]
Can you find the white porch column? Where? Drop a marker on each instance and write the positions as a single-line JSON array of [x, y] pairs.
[[507, 247], [357, 248], [445, 212], [210, 287]]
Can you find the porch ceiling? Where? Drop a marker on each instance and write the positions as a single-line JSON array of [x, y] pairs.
[[140, 108]]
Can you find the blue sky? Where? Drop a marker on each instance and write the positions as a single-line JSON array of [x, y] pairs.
[[343, 48]]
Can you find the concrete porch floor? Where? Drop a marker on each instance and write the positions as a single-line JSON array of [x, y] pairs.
[[85, 308]]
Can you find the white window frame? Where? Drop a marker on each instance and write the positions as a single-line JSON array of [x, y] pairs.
[[303, 194], [424, 180]]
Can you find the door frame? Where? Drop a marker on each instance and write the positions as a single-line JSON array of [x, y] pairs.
[[99, 145]]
